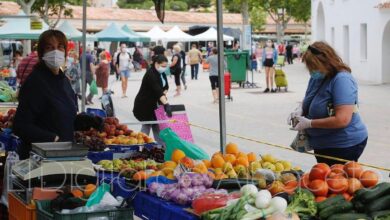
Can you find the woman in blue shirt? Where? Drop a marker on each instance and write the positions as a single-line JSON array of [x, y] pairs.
[[329, 112]]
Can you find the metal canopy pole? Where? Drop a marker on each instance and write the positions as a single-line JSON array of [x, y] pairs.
[[221, 65], [84, 59]]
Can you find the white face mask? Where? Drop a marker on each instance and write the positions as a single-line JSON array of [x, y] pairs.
[[269, 44], [123, 50], [161, 69], [54, 59]]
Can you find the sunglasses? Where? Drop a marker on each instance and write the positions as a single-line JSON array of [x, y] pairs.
[[314, 50]]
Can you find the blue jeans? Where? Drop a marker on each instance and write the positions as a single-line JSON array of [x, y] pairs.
[[194, 71], [125, 73], [349, 153]]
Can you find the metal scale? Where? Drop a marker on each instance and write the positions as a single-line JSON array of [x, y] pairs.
[[53, 165]]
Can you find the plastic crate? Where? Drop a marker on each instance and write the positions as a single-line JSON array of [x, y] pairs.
[[97, 112], [9, 141], [17, 210], [44, 213]]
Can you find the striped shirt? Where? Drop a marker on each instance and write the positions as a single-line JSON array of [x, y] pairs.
[[26, 66]]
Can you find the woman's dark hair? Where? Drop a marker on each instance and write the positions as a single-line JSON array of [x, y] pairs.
[[214, 50], [46, 36], [159, 59]]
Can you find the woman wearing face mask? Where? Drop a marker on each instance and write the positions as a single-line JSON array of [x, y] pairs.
[[176, 68], [329, 113], [269, 59], [153, 91], [47, 107]]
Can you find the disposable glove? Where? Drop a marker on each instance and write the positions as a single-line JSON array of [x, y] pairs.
[[303, 123], [297, 112]]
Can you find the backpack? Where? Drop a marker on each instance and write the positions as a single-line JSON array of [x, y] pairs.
[[117, 58]]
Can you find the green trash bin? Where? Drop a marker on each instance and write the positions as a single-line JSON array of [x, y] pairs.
[[237, 65]]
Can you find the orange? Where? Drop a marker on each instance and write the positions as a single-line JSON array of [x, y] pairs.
[[200, 168], [230, 158], [242, 161], [220, 176], [89, 189], [207, 163], [211, 174], [232, 148], [169, 164], [77, 193], [140, 175], [217, 154], [217, 162], [187, 162], [252, 157], [242, 154], [177, 155]]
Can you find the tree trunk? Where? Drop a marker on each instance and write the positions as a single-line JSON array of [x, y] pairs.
[[245, 21]]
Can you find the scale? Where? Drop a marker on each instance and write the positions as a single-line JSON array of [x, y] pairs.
[[53, 165]]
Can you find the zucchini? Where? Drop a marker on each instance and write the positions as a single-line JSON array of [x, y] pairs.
[[339, 207], [233, 183], [350, 216], [379, 204], [381, 215], [330, 201], [359, 206], [376, 192]]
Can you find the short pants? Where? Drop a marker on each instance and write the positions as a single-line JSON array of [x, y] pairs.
[[214, 82], [125, 73]]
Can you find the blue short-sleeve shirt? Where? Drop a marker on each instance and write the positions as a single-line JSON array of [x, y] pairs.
[[342, 89]]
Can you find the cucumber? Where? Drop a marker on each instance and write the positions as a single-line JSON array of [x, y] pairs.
[[350, 216], [339, 207], [381, 215], [359, 193], [330, 201], [378, 191], [359, 206], [379, 204]]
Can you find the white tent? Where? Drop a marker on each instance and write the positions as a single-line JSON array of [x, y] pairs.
[[156, 34], [211, 35], [175, 34]]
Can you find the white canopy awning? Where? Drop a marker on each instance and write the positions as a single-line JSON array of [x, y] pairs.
[[156, 34], [211, 35], [176, 34]]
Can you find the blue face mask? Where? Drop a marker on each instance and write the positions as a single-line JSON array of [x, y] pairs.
[[70, 60], [317, 75]]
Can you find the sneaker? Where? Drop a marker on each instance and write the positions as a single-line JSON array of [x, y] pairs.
[[185, 87], [266, 90], [273, 90]]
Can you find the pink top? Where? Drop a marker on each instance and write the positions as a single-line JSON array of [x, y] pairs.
[[269, 54]]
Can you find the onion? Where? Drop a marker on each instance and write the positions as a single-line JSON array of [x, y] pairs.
[[207, 181], [153, 187], [197, 180], [181, 198], [174, 194], [185, 181]]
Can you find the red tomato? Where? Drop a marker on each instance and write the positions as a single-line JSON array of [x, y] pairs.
[[369, 178], [290, 187], [319, 187], [209, 202], [337, 184], [320, 198], [353, 169], [354, 185], [319, 172], [304, 181]]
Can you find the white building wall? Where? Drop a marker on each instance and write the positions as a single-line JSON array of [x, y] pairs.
[[352, 13]]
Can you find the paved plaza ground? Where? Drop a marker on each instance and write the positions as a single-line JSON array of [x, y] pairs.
[[261, 116]]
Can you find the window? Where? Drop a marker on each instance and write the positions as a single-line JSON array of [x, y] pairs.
[[332, 31], [346, 43], [363, 41]]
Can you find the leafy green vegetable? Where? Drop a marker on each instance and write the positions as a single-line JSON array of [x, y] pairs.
[[303, 203]]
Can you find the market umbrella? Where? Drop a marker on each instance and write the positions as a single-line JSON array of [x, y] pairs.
[[114, 33], [156, 34], [176, 34], [139, 37], [211, 35], [19, 28], [69, 31]]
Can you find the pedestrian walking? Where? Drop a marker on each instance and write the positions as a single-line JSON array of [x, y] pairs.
[[113, 66], [269, 59], [153, 91], [89, 74], [175, 68], [73, 72], [212, 60], [329, 114], [282, 49], [102, 72], [123, 62], [289, 53], [183, 68], [195, 57]]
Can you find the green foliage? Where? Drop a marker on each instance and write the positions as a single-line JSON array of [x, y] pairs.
[[198, 3], [258, 18], [139, 4], [301, 11], [176, 6]]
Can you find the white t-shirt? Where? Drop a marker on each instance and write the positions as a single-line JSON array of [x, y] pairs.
[[124, 61]]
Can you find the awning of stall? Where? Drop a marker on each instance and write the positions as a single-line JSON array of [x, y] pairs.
[[211, 35], [20, 28], [176, 34], [139, 37], [114, 33]]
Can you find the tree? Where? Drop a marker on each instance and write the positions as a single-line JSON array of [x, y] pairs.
[[302, 12], [258, 18], [198, 3], [52, 9], [137, 4]]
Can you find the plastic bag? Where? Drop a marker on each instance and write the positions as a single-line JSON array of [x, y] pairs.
[[12, 158], [173, 142], [93, 88], [97, 196]]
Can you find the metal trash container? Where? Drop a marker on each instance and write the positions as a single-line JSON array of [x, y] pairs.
[[237, 65]]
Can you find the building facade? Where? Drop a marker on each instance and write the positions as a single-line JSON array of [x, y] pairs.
[[360, 32]]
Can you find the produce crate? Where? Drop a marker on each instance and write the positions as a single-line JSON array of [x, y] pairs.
[[118, 151], [9, 141], [44, 213], [17, 210], [5, 106]]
